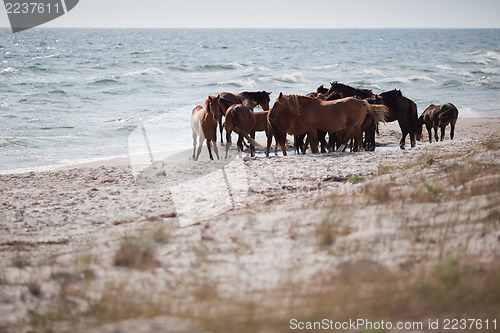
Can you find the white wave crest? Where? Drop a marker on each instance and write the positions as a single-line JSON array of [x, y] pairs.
[[294, 77], [407, 79], [468, 113], [147, 71]]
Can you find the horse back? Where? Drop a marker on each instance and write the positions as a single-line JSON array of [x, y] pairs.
[[261, 120], [242, 115], [196, 118], [447, 113]]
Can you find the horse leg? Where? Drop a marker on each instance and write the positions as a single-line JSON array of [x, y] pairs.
[[269, 142], [228, 141], [436, 133], [200, 145], [322, 139], [220, 128], [209, 147], [312, 137], [194, 145], [442, 132], [252, 148], [216, 149], [452, 131], [413, 141], [429, 131], [240, 145], [403, 139]]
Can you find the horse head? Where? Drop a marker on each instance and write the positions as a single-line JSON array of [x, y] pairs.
[[391, 95], [264, 103], [213, 107], [277, 108]]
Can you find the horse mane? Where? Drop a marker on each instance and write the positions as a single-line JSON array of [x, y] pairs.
[[292, 101], [207, 105], [351, 90]]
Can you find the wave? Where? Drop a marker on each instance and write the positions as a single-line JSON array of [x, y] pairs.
[[8, 142], [406, 79], [295, 77], [56, 127], [331, 66], [236, 83], [9, 70], [373, 72], [104, 82], [147, 71], [468, 113], [127, 128], [228, 66], [57, 92]]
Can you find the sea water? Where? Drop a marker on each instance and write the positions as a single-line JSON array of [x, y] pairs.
[[68, 95]]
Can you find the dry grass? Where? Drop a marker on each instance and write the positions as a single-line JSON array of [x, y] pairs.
[[383, 170], [136, 252], [380, 192]]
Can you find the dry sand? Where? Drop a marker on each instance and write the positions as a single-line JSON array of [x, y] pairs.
[[227, 245]]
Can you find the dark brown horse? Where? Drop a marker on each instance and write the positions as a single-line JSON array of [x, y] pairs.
[[404, 110], [241, 119], [261, 98], [439, 116], [204, 126], [295, 115], [347, 91], [226, 99]]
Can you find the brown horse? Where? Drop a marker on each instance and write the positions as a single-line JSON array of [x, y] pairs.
[[262, 125], [439, 116], [295, 115], [204, 125], [404, 110], [224, 101], [241, 119]]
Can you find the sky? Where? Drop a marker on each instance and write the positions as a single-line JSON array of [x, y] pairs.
[[279, 14]]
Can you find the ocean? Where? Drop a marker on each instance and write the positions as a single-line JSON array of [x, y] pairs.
[[74, 95]]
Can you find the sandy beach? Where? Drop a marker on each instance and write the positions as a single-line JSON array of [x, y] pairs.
[[245, 245]]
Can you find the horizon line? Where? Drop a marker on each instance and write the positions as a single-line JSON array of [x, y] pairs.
[[271, 28]]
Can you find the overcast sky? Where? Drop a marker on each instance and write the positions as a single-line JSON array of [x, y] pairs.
[[280, 14]]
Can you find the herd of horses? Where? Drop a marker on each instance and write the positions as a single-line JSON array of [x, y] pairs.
[[343, 112]]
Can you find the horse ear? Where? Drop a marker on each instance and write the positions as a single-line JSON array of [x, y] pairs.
[[269, 93], [281, 95]]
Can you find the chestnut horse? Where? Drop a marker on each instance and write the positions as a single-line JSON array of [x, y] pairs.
[[439, 116], [262, 125], [241, 119], [295, 115], [404, 110], [204, 125]]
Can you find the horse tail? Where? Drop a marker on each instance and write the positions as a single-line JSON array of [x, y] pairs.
[[413, 116], [279, 134], [237, 125], [377, 111]]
